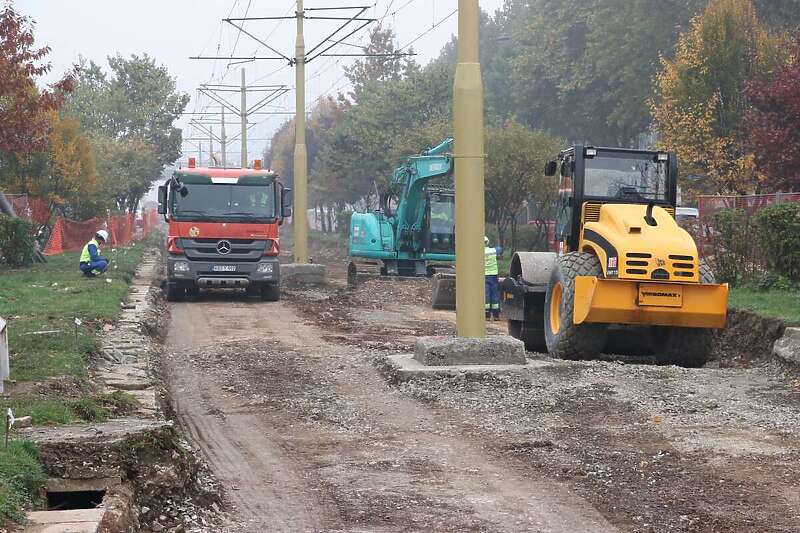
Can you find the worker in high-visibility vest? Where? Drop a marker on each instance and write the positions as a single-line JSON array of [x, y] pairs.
[[491, 281], [91, 262]]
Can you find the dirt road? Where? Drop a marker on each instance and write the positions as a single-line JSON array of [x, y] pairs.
[[307, 435], [293, 406]]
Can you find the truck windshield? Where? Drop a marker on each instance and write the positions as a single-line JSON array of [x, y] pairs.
[[622, 177], [225, 202], [442, 217]]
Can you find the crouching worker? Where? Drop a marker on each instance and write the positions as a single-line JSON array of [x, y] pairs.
[[492, 282], [92, 263]]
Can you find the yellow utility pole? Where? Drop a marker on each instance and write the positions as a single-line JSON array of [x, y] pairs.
[[299, 216], [469, 160]]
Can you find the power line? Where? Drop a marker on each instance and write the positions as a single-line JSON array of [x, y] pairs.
[[423, 34]]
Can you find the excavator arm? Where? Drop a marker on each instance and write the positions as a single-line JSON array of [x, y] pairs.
[[410, 180]]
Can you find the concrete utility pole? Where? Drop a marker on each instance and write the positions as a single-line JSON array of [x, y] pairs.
[[299, 218], [243, 109], [469, 161]]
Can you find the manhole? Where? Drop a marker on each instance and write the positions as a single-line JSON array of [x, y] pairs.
[[77, 499]]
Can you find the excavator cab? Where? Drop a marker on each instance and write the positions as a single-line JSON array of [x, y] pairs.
[[440, 221], [622, 262]]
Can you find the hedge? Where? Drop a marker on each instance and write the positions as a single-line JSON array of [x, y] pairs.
[[16, 241]]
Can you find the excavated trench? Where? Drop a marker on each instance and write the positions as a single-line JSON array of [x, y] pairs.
[[128, 473]]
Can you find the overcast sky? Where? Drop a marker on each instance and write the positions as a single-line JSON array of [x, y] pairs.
[[172, 30]]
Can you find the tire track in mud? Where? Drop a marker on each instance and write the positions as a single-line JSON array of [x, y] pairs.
[[264, 484]]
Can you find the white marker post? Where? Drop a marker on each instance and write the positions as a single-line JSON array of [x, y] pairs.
[[5, 369]]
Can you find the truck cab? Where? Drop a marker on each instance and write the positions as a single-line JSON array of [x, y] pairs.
[[223, 229]]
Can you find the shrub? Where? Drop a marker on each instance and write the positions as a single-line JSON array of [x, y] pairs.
[[532, 238], [734, 248], [16, 241], [778, 235]]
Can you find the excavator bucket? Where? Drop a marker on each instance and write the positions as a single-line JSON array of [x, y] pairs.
[[443, 288]]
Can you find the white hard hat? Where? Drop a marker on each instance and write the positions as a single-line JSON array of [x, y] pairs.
[[485, 239], [103, 234]]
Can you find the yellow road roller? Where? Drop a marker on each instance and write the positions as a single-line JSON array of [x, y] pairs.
[[626, 277]]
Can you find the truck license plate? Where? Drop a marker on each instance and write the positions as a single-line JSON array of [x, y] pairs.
[[660, 295], [224, 268]]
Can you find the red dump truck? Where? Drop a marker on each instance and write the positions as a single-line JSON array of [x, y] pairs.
[[223, 229]]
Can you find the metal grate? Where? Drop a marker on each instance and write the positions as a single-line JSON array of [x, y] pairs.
[[591, 212]]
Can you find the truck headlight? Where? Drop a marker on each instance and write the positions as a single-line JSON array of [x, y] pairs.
[[180, 266], [264, 268]]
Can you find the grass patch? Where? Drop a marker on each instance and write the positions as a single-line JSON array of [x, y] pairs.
[[20, 478], [40, 304], [782, 304], [55, 410]]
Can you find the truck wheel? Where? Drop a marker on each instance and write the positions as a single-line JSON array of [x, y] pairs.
[[689, 347], [175, 292], [564, 338], [532, 337], [270, 292]]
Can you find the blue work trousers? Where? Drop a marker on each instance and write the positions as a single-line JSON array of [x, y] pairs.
[[92, 268], [492, 296]]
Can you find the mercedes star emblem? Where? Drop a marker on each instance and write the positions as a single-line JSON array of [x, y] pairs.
[[224, 247]]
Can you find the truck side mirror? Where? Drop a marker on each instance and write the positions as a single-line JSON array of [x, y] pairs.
[[566, 169], [162, 200], [286, 202], [550, 168]]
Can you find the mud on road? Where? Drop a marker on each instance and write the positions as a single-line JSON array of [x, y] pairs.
[[294, 406]]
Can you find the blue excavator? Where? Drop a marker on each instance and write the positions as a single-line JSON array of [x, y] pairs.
[[412, 233]]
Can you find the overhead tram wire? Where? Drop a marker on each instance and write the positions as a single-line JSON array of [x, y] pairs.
[[360, 40], [434, 26]]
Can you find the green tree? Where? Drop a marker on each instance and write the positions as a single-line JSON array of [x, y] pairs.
[[130, 114], [515, 163], [579, 68], [382, 65]]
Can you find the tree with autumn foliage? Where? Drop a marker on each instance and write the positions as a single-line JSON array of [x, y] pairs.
[[25, 110], [701, 99], [773, 126]]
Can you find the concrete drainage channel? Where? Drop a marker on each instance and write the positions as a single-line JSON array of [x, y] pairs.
[[120, 474]]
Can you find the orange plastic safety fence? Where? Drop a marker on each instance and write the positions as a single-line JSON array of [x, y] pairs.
[[70, 235]]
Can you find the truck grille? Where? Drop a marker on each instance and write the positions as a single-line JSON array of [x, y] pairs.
[[241, 250]]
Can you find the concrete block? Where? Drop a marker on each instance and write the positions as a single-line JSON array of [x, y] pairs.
[[74, 521], [57, 484], [494, 350], [788, 346], [403, 367], [303, 274]]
